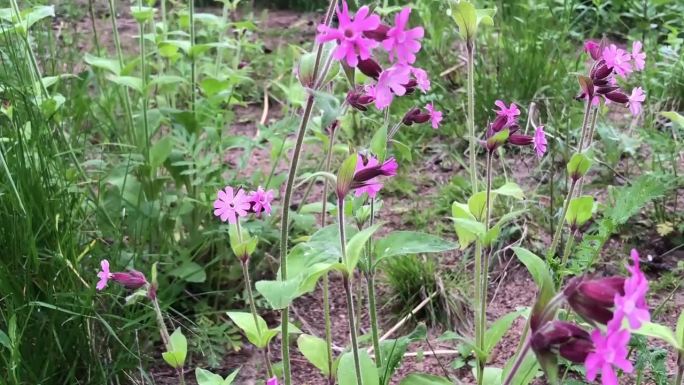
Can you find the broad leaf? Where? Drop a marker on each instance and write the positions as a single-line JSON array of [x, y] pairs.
[[477, 205], [279, 294], [674, 116], [315, 350], [190, 272], [393, 352], [177, 350], [579, 211], [128, 81], [355, 246], [465, 236], [205, 377], [510, 189], [255, 332], [661, 332], [410, 242], [497, 330], [679, 331], [424, 379], [378, 144], [579, 165], [110, 65], [161, 151], [346, 370]]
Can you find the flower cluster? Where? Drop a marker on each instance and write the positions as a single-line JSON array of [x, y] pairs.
[[131, 279], [356, 37], [507, 119], [231, 204], [619, 303], [611, 62]]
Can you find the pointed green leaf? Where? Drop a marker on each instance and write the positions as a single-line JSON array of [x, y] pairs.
[[578, 166], [127, 81], [253, 331], [355, 246], [205, 377], [315, 350], [497, 330], [661, 332], [346, 371], [674, 116], [279, 294], [510, 189], [579, 211], [410, 242], [424, 379], [679, 331], [177, 349], [378, 144], [477, 205], [110, 65], [161, 151], [461, 211]]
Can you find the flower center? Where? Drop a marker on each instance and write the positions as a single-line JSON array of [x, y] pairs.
[[348, 33], [629, 306]]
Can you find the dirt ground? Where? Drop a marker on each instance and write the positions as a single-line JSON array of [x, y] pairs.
[[512, 286]]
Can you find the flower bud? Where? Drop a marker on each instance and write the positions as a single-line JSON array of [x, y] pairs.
[[499, 123], [593, 49], [378, 34], [593, 298], [569, 340], [606, 89], [410, 86], [496, 139], [359, 99], [370, 68], [520, 140], [131, 279], [305, 69], [600, 71], [415, 115], [617, 97]]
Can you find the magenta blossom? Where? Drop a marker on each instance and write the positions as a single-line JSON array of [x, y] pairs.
[[635, 99], [261, 201], [351, 43], [510, 113], [638, 56], [391, 82], [632, 305], [229, 206], [435, 116], [609, 350], [132, 279], [593, 49], [422, 79], [401, 42], [105, 275], [540, 141], [368, 169], [272, 381], [618, 59]]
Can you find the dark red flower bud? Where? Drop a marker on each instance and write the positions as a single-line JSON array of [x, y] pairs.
[[415, 115], [378, 34], [370, 68], [520, 140], [410, 86], [387, 168], [359, 99], [499, 123], [593, 299], [564, 338], [606, 89], [617, 97], [132, 279], [593, 49], [600, 71]]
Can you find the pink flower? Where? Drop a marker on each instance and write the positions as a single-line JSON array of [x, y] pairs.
[[435, 116], [229, 207], [261, 201], [609, 350], [132, 279], [638, 56], [368, 169], [635, 100], [618, 59], [632, 305], [422, 79], [540, 141], [104, 275], [391, 82], [593, 49], [272, 381], [510, 113], [404, 43], [351, 43]]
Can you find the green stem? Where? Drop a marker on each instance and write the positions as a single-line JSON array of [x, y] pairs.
[[518, 362], [348, 291], [590, 139], [559, 226], [193, 80], [284, 233], [144, 87], [470, 47], [120, 58], [326, 280], [585, 121], [568, 248], [252, 308], [478, 308], [162, 326], [370, 283]]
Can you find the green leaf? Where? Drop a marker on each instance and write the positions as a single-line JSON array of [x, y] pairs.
[[142, 14], [497, 330], [346, 371], [177, 350], [477, 205], [491, 375], [346, 174], [579, 165], [393, 351], [410, 242], [468, 18], [205, 377], [424, 379], [404, 150], [541, 275], [255, 333], [674, 116], [161, 151], [579, 211], [510, 189], [36, 14], [329, 107], [661, 332], [355, 246], [461, 211], [279, 294], [127, 81], [679, 331], [110, 65], [471, 226], [315, 350], [491, 236], [190, 272], [378, 143], [5, 341]]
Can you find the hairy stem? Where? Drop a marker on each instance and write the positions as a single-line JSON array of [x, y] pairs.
[[518, 362], [478, 308], [470, 47], [559, 226], [585, 122], [285, 230], [568, 248], [347, 277], [370, 283], [326, 280], [253, 310]]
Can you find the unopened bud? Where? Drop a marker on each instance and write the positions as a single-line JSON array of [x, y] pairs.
[[606, 89], [617, 97], [415, 115], [131, 279], [370, 68], [593, 49], [520, 140], [378, 34], [593, 299], [564, 338], [305, 69], [359, 99], [600, 71]]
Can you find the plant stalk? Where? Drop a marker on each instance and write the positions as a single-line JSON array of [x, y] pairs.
[[518, 362], [347, 277], [370, 283], [470, 47], [120, 58], [326, 280], [193, 76], [252, 308], [478, 308], [559, 226], [568, 248], [284, 233]]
